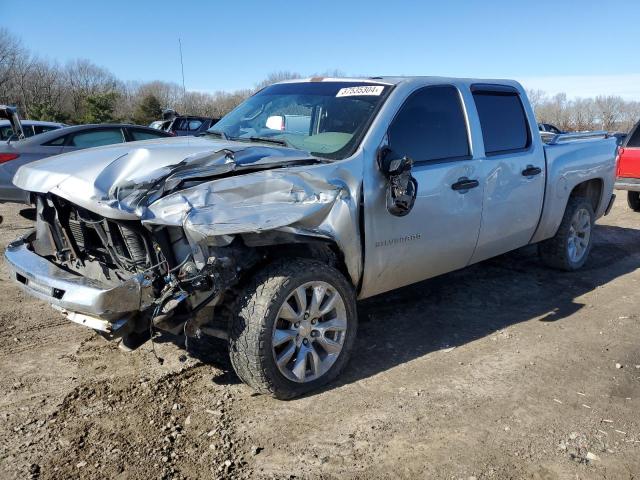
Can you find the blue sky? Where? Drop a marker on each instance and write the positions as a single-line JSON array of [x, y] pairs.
[[581, 47]]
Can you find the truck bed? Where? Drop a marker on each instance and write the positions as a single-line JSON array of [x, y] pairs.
[[572, 158]]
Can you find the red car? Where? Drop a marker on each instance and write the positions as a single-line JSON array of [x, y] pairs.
[[628, 170]]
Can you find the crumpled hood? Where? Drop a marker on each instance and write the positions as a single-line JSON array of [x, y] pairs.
[[213, 189], [116, 180]]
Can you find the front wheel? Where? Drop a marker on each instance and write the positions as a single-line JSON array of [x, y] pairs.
[[633, 199], [569, 248], [293, 327]]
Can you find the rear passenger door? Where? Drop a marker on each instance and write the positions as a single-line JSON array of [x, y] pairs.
[[513, 168], [440, 233]]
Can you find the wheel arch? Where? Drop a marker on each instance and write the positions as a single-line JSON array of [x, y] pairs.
[[274, 246], [557, 199], [592, 190]]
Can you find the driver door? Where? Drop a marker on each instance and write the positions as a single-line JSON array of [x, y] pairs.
[[439, 234]]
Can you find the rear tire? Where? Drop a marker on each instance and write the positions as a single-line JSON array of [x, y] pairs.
[[569, 249], [633, 199], [279, 333]]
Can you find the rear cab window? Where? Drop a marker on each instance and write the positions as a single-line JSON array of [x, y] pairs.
[[505, 128]]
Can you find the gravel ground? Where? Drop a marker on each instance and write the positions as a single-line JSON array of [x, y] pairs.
[[503, 370]]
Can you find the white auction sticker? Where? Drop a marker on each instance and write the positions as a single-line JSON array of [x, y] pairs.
[[374, 90]]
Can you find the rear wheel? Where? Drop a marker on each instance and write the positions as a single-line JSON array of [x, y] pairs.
[[633, 199], [570, 247], [293, 328]]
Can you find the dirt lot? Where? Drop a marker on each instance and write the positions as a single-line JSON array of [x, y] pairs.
[[503, 370]]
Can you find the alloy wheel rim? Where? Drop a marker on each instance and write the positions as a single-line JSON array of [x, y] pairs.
[[309, 332], [579, 235]]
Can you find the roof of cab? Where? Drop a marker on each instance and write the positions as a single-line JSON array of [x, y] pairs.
[[418, 80]]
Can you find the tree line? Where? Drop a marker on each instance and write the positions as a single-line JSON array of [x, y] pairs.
[[83, 92], [604, 112]]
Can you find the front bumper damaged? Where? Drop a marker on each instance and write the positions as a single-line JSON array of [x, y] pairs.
[[108, 309]]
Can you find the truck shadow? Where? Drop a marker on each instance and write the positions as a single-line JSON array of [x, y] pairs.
[[462, 306]]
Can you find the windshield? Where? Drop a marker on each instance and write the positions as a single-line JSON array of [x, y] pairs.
[[327, 119]]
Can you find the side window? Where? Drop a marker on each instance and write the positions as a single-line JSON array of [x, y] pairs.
[[503, 121], [430, 126], [145, 134], [56, 142], [5, 132], [97, 138], [194, 125], [179, 124], [634, 138], [43, 128]]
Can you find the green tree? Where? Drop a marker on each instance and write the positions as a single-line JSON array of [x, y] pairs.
[[148, 110], [47, 112], [100, 107]]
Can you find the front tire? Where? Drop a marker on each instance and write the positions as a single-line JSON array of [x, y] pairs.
[[633, 199], [293, 327], [569, 249]]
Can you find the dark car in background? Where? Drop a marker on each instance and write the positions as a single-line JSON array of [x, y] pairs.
[[620, 137], [183, 125], [14, 154], [191, 125], [549, 128]]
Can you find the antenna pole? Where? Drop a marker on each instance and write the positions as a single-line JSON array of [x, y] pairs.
[[184, 90]]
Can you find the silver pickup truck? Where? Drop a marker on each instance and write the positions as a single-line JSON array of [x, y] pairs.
[[266, 236]]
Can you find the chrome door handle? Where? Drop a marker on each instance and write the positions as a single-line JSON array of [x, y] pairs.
[[465, 183]]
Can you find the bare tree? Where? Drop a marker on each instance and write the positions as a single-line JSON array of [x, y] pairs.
[[85, 79], [555, 111], [11, 51], [582, 114], [629, 116], [608, 109], [536, 98], [276, 77]]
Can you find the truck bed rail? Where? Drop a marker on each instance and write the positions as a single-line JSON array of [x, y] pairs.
[[555, 138]]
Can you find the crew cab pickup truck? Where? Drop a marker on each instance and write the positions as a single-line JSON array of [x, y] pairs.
[[267, 237], [628, 170]]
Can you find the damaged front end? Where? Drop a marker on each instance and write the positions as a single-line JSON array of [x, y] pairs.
[[113, 276], [181, 237]]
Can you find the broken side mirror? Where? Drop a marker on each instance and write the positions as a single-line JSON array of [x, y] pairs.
[[402, 188]]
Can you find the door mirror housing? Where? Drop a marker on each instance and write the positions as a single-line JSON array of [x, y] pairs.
[[402, 188]]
